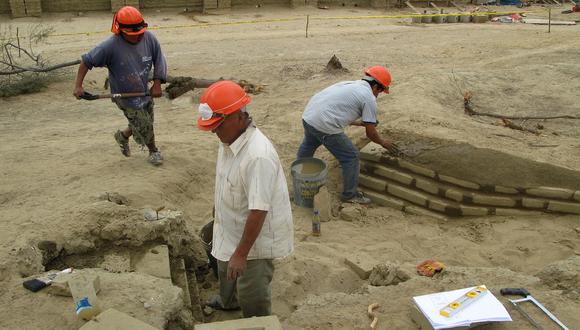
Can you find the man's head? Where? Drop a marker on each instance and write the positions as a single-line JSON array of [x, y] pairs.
[[379, 78], [128, 22], [222, 110]]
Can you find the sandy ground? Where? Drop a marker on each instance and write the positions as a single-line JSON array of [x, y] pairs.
[[58, 154]]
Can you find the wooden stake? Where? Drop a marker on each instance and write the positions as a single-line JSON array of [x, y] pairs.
[[549, 19], [307, 21]]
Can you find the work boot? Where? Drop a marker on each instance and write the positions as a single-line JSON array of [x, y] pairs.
[[359, 198], [155, 158], [123, 143]]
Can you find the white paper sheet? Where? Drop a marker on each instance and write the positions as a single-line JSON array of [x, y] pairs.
[[485, 309]]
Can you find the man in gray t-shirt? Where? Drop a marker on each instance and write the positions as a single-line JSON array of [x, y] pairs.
[[331, 110], [129, 55]]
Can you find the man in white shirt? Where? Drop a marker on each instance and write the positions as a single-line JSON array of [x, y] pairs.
[[253, 218], [331, 110]]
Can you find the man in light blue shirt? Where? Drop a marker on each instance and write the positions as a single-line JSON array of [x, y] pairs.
[[331, 110]]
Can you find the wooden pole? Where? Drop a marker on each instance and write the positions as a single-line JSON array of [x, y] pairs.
[[307, 21], [549, 19]]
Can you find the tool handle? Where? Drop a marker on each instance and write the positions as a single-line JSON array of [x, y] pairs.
[[514, 292]]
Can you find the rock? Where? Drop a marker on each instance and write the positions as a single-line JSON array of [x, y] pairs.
[[350, 212], [387, 274], [562, 275], [207, 311], [30, 261]]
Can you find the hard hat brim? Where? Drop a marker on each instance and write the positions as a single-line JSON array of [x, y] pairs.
[[210, 124]]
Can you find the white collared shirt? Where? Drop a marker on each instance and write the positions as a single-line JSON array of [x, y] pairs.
[[249, 176]]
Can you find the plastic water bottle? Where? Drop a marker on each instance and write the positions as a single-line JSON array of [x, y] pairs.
[[86, 303], [316, 223]]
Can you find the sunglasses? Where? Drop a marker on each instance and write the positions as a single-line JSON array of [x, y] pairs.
[[133, 27]]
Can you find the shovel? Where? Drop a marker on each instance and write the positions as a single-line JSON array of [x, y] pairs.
[[90, 97]]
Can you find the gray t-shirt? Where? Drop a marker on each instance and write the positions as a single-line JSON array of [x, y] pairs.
[[129, 66], [335, 107]]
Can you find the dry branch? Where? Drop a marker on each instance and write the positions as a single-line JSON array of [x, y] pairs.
[[18, 69]]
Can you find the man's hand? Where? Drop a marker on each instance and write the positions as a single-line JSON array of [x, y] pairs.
[[236, 266], [78, 91], [391, 146], [156, 89]]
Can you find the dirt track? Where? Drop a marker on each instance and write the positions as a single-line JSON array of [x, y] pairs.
[[58, 154]]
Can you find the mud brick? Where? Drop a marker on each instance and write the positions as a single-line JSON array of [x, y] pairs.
[[380, 4], [564, 207], [228, 3], [59, 286], [417, 210], [507, 212], [254, 323], [534, 203], [361, 264], [372, 152], [428, 186], [444, 206], [155, 262], [577, 195], [505, 190], [117, 4], [494, 200], [550, 192], [459, 182], [416, 168], [112, 319], [454, 194], [372, 183], [394, 175], [407, 194], [384, 200], [473, 210]]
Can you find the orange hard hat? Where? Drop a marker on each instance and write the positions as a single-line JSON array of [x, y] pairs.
[[129, 20], [381, 75], [218, 101]]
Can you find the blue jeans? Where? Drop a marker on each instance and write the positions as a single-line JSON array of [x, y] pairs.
[[340, 147]]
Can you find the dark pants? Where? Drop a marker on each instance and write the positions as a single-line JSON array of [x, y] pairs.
[[341, 147]]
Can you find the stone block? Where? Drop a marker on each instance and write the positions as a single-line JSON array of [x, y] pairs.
[[59, 286], [361, 264], [564, 207], [550, 192], [322, 204], [505, 190], [473, 210], [534, 203], [494, 200], [253, 323], [428, 186], [454, 194], [407, 194], [459, 182], [394, 175], [117, 262], [416, 168], [372, 183], [112, 319], [155, 262], [384, 200]]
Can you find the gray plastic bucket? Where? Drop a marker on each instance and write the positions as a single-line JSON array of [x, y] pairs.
[[308, 175]]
